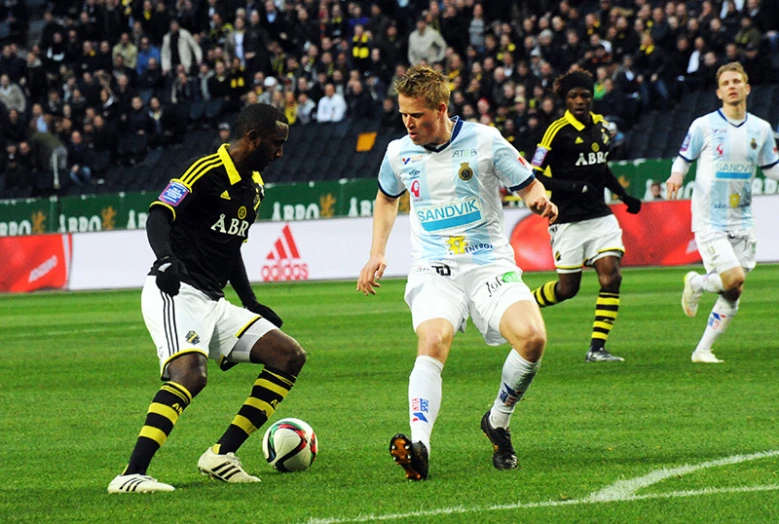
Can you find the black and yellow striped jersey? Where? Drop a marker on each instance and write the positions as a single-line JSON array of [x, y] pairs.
[[571, 154], [212, 208]]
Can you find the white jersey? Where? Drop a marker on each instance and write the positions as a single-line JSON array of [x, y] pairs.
[[456, 209], [727, 155]]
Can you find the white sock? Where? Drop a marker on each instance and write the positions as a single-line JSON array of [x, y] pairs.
[[517, 376], [710, 282], [721, 314], [424, 398]]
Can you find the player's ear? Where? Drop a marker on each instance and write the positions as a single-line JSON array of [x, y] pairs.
[[254, 138]]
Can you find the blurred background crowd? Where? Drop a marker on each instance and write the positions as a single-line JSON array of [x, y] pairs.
[[92, 83]]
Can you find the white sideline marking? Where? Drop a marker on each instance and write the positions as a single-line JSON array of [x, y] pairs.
[[620, 491]]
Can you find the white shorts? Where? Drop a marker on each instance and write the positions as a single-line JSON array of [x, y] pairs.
[[723, 250], [483, 292], [576, 244], [191, 322]]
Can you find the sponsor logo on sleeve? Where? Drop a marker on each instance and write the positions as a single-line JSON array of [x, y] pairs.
[[174, 194], [539, 156], [686, 143]]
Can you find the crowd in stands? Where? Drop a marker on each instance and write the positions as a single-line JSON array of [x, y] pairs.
[[102, 81]]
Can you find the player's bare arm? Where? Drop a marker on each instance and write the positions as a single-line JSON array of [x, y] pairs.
[[534, 196], [385, 211]]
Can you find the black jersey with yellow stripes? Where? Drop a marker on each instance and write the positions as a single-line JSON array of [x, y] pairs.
[[573, 152], [213, 208]]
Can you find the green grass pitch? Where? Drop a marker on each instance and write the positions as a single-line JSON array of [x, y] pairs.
[[653, 439]]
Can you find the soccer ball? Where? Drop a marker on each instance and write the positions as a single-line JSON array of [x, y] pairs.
[[289, 445]]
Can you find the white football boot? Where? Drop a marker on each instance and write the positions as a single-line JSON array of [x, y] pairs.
[[137, 483], [690, 297], [705, 357], [226, 468]]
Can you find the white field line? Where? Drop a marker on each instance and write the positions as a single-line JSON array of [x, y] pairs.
[[620, 491], [41, 334]]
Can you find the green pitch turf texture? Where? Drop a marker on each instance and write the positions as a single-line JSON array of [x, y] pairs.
[[79, 370]]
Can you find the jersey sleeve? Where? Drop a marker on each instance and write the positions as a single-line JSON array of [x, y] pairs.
[[768, 155], [389, 183], [177, 195], [513, 170], [693, 142]]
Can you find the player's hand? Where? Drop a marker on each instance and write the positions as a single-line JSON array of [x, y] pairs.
[[371, 274], [169, 273], [634, 204], [544, 207], [265, 312], [673, 185]]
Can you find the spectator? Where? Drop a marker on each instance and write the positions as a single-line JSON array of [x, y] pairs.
[[306, 108], [17, 174], [179, 47], [14, 127], [255, 45], [127, 50], [362, 44], [290, 106], [655, 191], [651, 64], [11, 95], [11, 64], [332, 106], [425, 44], [476, 29], [358, 101], [36, 82], [757, 65], [223, 136], [103, 60], [146, 53], [54, 53], [182, 91], [79, 160], [106, 137]]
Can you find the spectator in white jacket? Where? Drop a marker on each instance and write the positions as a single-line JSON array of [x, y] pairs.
[[331, 107], [179, 47], [425, 44], [11, 95]]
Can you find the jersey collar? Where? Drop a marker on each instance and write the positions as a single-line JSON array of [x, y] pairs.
[[573, 121], [232, 172], [746, 116], [458, 124]]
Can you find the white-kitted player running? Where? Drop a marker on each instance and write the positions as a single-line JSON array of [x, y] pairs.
[[462, 262], [728, 145]]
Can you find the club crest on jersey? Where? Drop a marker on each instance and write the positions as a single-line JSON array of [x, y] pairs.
[[595, 147], [174, 194], [192, 337], [242, 212], [466, 173], [753, 144]]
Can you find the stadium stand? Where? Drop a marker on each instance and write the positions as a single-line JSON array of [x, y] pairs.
[[132, 90]]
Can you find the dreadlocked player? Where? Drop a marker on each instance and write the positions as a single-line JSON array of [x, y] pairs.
[[571, 161]]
